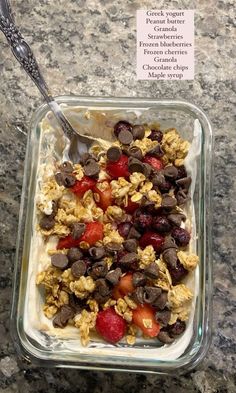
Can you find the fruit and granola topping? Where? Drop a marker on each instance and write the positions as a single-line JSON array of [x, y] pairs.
[[122, 241]]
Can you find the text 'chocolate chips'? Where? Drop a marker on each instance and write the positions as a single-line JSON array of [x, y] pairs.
[[60, 261], [78, 228], [125, 137], [78, 269], [114, 153], [138, 132]]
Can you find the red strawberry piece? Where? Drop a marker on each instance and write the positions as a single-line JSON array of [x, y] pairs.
[[92, 234], [131, 207], [152, 239], [124, 286], [105, 195], [118, 168], [83, 185], [110, 325], [156, 163], [144, 318]]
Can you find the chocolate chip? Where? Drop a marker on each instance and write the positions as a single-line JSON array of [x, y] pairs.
[[102, 287], [78, 269], [97, 252], [147, 170], [114, 275], [122, 125], [182, 197], [91, 168], [47, 222], [171, 172], [129, 258], [151, 294], [57, 323], [147, 204], [61, 319], [176, 218], [161, 301], [165, 338], [169, 243], [138, 131], [138, 295], [170, 257], [113, 247], [156, 151], [76, 304], [138, 279], [78, 229], [163, 317], [65, 179], [135, 152], [134, 234], [125, 137], [74, 254], [101, 299], [152, 270], [168, 202], [66, 167], [99, 269], [60, 261], [184, 183], [181, 172], [135, 165], [85, 157], [131, 245], [158, 179], [114, 153]]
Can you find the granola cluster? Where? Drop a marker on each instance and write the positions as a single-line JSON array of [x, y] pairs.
[[123, 249]]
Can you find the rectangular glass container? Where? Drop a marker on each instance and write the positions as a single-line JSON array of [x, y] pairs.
[[186, 118]]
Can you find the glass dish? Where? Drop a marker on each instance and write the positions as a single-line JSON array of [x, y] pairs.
[[143, 357]]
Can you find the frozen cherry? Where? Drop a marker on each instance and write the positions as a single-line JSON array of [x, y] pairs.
[[156, 135], [161, 224], [122, 126], [124, 229], [143, 221], [177, 328], [181, 236], [177, 273]]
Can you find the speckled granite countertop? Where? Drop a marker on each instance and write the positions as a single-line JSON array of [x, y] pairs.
[[88, 48]]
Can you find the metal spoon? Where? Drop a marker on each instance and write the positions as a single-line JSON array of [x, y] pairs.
[[25, 57]]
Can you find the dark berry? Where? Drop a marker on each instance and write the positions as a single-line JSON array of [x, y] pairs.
[[124, 229], [143, 221], [181, 236], [177, 328], [122, 126], [153, 239], [156, 135], [165, 186], [161, 224], [181, 172], [177, 273]]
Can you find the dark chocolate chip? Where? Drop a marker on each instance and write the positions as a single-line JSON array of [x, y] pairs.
[[99, 269], [135, 152], [61, 319], [184, 183], [133, 234], [91, 168], [152, 270], [97, 252], [78, 269], [65, 179], [158, 179], [161, 301], [135, 165], [76, 304], [102, 287], [60, 261], [85, 157], [114, 275], [181, 172], [168, 202], [138, 279], [138, 295], [47, 222], [66, 167], [169, 243], [156, 135], [151, 294], [176, 218], [182, 197], [122, 125], [138, 131], [147, 170], [171, 172], [163, 317], [170, 257], [164, 338], [78, 229], [114, 153], [156, 151], [125, 137], [131, 245], [74, 254], [113, 247], [129, 258]]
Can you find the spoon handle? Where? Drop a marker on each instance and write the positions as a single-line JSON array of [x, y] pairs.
[[25, 57]]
